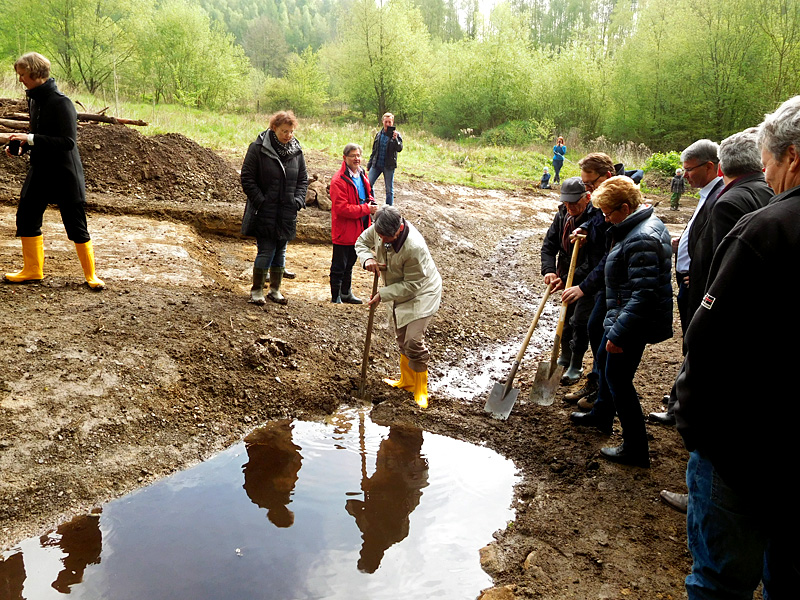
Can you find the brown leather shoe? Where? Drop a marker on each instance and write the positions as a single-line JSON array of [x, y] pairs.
[[679, 502], [588, 388]]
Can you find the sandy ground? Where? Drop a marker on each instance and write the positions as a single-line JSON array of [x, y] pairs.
[[101, 393]]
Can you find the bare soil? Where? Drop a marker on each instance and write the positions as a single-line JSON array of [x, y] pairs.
[[101, 393]]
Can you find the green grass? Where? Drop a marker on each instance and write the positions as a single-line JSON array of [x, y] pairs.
[[424, 155]]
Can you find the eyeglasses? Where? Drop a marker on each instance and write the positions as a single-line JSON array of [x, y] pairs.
[[589, 185], [690, 169], [607, 215]]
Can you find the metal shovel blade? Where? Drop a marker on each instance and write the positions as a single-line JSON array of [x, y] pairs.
[[497, 405], [546, 383]]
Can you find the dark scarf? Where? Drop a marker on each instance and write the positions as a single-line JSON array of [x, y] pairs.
[[285, 151]]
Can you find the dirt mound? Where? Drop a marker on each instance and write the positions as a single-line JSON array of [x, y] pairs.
[[170, 167]]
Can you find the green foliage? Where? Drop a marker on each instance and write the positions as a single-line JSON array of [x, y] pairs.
[[519, 133], [303, 89], [665, 164]]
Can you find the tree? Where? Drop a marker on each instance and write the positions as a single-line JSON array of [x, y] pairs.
[[265, 45], [381, 60]]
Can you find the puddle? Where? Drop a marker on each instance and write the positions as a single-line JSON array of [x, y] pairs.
[[347, 509]]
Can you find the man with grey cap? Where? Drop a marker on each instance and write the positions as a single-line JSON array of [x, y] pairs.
[[413, 286], [575, 211]]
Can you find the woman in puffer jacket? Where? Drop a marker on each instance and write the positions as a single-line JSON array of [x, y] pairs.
[[275, 181]]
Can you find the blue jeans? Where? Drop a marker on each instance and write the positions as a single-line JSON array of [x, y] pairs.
[[271, 253], [557, 164], [734, 543], [596, 331], [388, 181], [617, 394]]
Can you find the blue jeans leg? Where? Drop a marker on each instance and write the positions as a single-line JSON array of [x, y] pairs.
[[603, 408], [596, 331], [725, 534], [271, 253], [388, 181]]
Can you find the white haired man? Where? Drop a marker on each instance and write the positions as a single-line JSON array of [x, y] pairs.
[[742, 525]]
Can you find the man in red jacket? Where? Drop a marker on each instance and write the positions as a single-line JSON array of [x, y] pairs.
[[352, 205]]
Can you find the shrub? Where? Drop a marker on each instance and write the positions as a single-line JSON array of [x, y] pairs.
[[665, 164], [519, 133]]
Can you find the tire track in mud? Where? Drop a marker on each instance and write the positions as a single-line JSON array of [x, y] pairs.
[[471, 378]]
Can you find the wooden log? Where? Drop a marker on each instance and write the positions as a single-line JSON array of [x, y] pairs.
[[107, 119], [15, 125]]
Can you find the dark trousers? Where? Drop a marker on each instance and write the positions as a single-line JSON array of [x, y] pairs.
[[557, 164], [617, 393], [578, 322], [596, 331], [73, 215], [344, 257], [683, 301]]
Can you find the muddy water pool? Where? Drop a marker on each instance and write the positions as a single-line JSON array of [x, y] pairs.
[[342, 509]]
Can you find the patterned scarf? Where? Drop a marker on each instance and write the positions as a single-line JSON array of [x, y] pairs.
[[284, 150]]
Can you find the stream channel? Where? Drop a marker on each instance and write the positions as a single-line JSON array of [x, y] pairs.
[[298, 510]]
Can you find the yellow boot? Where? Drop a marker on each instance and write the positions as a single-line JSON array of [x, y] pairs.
[[86, 256], [32, 260], [406, 381], [421, 388]]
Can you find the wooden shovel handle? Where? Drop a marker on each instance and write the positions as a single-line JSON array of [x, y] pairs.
[[368, 340], [563, 316]]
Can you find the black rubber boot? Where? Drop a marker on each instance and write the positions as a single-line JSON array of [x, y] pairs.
[[275, 279], [349, 298], [573, 374], [257, 291], [335, 296]]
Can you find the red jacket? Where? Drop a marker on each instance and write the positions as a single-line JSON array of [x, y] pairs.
[[346, 212]]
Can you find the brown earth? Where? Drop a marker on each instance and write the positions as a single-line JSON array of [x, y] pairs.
[[101, 393]]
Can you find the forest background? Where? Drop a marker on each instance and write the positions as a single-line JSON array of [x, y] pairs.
[[650, 72]]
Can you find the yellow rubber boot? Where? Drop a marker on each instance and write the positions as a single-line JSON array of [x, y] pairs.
[[32, 261], [421, 388], [406, 381], [86, 256]]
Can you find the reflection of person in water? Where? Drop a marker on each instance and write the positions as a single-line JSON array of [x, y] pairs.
[[390, 495], [12, 577], [81, 540], [271, 473]]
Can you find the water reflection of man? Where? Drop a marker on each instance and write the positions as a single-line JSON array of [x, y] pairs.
[[271, 473], [12, 577], [82, 542], [390, 495]]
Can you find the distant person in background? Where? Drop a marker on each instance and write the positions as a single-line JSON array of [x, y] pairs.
[[559, 151], [352, 205], [274, 179], [55, 174], [677, 187], [545, 183], [383, 160]]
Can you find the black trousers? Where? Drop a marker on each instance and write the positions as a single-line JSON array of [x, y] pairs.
[[73, 215], [344, 257]]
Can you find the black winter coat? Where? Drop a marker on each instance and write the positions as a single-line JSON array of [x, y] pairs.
[[554, 259], [741, 196], [731, 406], [638, 280], [55, 173], [276, 189], [392, 148]]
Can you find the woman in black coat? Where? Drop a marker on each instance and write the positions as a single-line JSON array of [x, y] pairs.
[[274, 179], [55, 174]]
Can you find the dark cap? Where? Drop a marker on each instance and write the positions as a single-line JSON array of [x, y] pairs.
[[572, 189]]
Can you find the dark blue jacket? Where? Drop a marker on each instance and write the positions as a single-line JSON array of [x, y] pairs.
[[638, 281], [554, 259]]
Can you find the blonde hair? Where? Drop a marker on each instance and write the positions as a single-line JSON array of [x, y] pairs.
[[37, 66], [387, 115], [616, 191]]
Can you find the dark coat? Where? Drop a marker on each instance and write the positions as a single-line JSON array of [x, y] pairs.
[[596, 229], [638, 280], [276, 188], [392, 148], [731, 406], [55, 173], [554, 259], [741, 196]]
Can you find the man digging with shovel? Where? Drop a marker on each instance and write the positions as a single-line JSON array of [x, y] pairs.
[[575, 211], [413, 286]]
